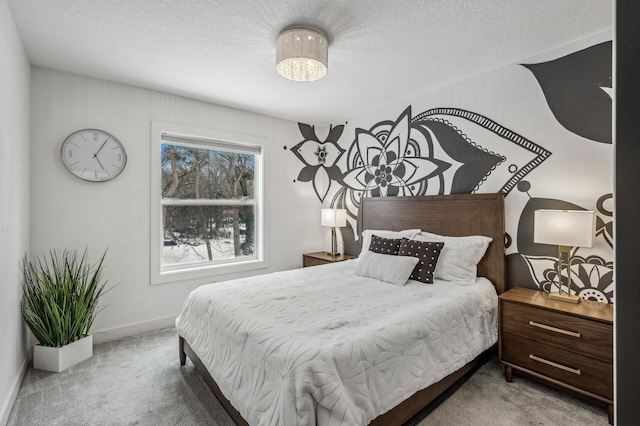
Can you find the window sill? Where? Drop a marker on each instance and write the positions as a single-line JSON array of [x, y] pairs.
[[183, 274]]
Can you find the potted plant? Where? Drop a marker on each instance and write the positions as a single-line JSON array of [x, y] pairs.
[[59, 304]]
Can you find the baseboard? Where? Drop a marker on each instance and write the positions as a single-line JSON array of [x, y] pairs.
[[110, 334], [7, 405]]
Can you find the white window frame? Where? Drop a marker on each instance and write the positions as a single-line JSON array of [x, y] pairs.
[[211, 139]]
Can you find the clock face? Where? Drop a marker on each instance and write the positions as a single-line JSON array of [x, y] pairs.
[[93, 155]]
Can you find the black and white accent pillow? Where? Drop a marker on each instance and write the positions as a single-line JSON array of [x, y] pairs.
[[384, 245], [427, 254]]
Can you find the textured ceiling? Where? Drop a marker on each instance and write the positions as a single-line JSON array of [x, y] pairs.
[[223, 51]]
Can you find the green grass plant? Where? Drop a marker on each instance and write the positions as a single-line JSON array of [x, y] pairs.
[[60, 296]]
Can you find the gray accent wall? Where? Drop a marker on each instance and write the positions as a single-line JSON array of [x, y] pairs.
[[627, 174]]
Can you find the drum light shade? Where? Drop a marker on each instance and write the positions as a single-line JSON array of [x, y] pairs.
[[334, 217], [301, 54], [574, 228]]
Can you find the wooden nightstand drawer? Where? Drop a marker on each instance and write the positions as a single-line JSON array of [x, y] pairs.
[[322, 258], [568, 367], [577, 334], [312, 261]]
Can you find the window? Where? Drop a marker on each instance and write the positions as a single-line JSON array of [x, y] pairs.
[[207, 205]]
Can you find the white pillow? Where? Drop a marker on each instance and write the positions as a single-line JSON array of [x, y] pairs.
[[385, 267], [366, 236], [459, 258]]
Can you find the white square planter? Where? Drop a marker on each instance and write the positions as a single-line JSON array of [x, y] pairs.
[[58, 359]]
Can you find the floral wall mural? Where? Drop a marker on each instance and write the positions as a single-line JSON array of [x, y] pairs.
[[445, 150], [577, 88], [320, 158]]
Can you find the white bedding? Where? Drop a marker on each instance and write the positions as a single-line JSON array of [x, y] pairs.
[[322, 346]]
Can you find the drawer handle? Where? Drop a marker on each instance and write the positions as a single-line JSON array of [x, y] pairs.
[[555, 364], [555, 329]]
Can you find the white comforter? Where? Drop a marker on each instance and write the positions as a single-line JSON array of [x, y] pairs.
[[322, 346]]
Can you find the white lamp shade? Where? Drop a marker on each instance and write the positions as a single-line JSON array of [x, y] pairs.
[[301, 54], [334, 217], [575, 228]]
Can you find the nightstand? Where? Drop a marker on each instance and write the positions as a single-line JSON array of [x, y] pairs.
[[322, 258], [564, 344]]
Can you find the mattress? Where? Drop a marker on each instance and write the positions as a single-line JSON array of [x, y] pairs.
[[322, 346]]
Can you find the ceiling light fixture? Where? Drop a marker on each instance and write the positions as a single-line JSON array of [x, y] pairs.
[[301, 54]]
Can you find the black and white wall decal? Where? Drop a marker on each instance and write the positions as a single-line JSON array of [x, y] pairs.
[[540, 133], [319, 158], [577, 88], [433, 153]]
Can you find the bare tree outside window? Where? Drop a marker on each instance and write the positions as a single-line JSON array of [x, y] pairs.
[[208, 204]]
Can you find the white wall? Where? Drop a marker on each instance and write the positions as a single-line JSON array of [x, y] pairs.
[[67, 212], [14, 205]]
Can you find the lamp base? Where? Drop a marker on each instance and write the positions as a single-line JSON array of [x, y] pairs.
[[564, 297], [333, 254]]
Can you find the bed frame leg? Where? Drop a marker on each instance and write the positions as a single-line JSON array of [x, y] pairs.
[[183, 355]]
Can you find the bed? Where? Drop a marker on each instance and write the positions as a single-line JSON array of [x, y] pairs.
[[269, 360]]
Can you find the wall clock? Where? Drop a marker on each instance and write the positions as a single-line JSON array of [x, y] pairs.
[[93, 155]]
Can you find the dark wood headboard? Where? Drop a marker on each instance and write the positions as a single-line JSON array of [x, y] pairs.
[[454, 215]]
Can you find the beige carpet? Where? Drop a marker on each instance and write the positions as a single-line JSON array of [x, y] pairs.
[[139, 381]]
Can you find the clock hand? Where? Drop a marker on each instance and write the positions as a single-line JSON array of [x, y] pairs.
[[102, 146], [96, 157]]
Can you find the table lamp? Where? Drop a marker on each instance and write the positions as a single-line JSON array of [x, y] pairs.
[[566, 229], [334, 218]]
